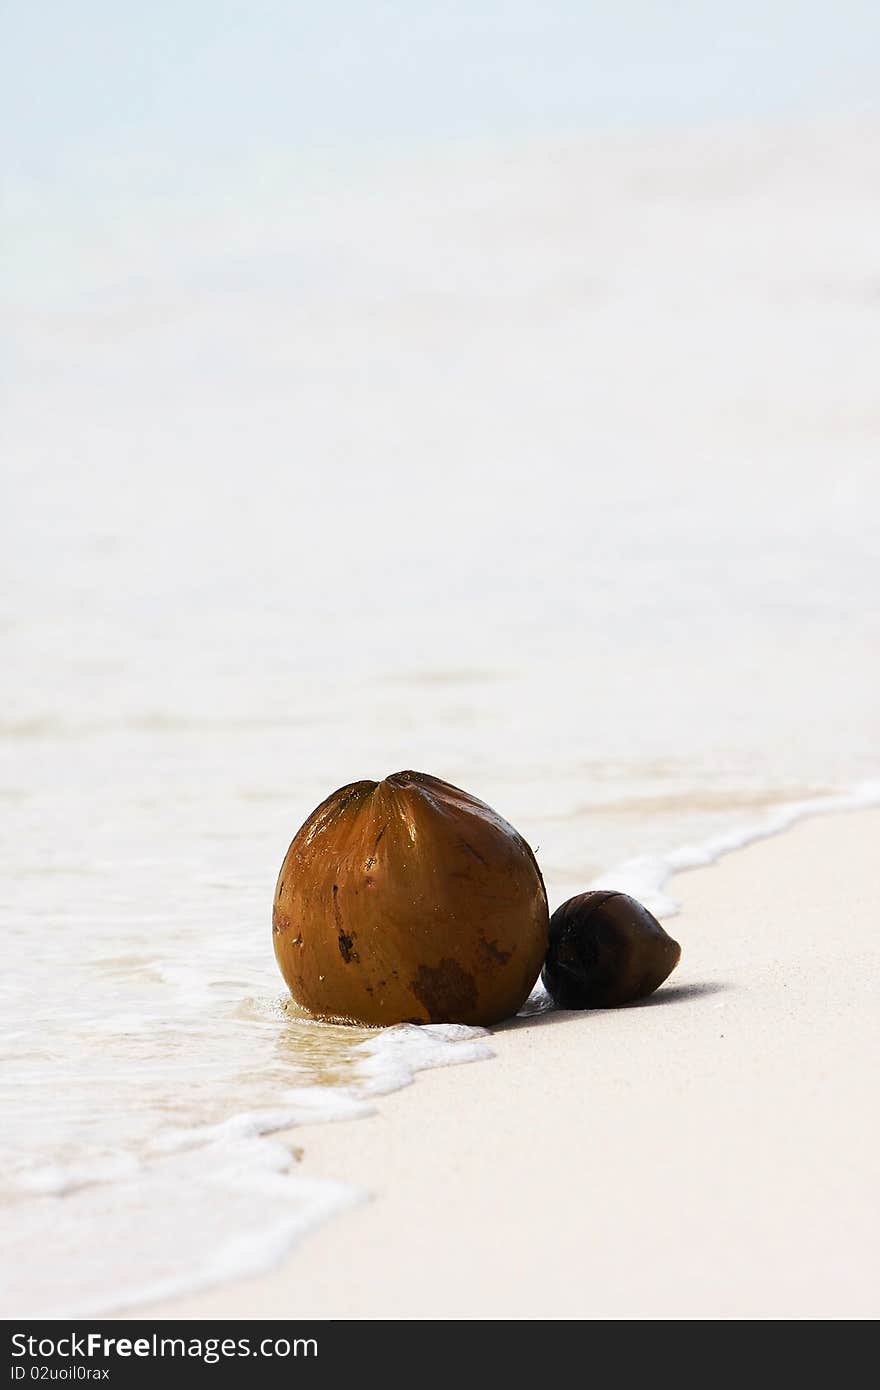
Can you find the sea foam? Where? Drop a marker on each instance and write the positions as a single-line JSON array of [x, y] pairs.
[[646, 877], [209, 1203]]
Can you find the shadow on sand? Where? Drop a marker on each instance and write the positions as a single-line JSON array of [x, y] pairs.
[[674, 994]]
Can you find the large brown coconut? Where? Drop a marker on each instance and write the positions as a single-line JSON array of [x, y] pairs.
[[408, 900]]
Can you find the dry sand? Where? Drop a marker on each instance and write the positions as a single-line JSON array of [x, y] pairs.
[[710, 1154]]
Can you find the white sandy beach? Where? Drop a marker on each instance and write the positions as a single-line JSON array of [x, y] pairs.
[[544, 465], [711, 1154]]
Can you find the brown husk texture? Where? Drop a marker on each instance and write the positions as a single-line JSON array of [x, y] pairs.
[[408, 900]]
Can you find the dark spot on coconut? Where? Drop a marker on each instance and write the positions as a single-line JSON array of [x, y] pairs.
[[369, 881], [297, 940], [447, 991], [280, 921], [346, 948], [493, 951]]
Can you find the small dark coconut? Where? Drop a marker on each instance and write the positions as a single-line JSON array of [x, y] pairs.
[[606, 949], [409, 901]]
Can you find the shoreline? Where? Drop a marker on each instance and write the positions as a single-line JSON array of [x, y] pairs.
[[703, 1155], [647, 877]]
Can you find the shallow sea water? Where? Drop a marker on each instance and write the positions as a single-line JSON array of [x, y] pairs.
[[549, 471]]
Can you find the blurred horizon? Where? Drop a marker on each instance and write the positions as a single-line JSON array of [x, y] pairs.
[[98, 93], [218, 75], [135, 143]]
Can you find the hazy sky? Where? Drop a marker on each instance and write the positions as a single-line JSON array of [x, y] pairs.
[[120, 121], [199, 82]]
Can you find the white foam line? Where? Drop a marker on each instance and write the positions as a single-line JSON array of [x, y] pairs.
[[391, 1059], [248, 1253], [240, 1156], [646, 877]]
